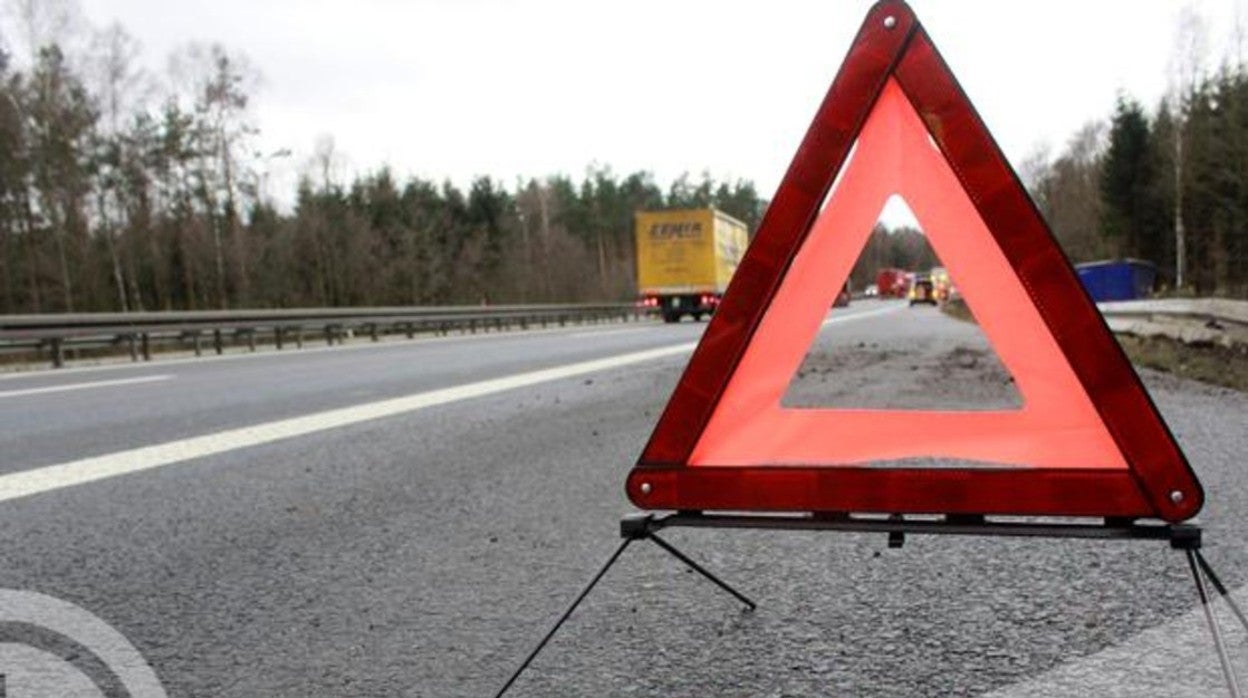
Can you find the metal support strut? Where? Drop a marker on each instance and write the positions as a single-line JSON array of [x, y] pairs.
[[634, 527], [1200, 571], [1221, 588]]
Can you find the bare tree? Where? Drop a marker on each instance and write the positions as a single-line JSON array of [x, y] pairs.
[[326, 163], [44, 23], [1067, 191], [118, 83], [221, 84], [115, 76], [1186, 65], [1035, 167]]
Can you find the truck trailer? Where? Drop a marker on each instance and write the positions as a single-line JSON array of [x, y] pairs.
[[685, 259], [1118, 279], [892, 283]]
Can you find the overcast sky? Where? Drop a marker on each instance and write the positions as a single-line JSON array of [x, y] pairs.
[[456, 88]]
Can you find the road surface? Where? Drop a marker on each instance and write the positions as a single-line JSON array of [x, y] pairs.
[[408, 519]]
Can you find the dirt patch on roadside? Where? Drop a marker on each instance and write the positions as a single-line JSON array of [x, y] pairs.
[[1210, 363], [1224, 366]]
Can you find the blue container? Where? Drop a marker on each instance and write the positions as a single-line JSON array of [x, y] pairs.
[[1118, 280]]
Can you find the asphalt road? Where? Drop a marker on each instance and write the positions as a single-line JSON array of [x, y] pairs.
[[409, 518]]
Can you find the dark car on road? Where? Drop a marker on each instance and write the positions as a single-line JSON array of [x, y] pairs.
[[922, 292], [842, 298]]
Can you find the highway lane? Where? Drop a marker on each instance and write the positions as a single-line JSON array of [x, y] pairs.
[[422, 553], [202, 397], [48, 418]]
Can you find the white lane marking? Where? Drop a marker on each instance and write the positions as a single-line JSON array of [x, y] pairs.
[[864, 314], [1175, 658], [82, 386], [837, 316], [55, 477], [600, 333]]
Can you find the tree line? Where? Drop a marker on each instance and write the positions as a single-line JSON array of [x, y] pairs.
[[125, 191], [111, 200], [1170, 187]]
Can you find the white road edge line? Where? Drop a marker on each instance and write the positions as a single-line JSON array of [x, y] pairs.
[[619, 330], [54, 477], [83, 386]]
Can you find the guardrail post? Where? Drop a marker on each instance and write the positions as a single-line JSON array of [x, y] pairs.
[[329, 335], [251, 339], [147, 348], [134, 348], [277, 337], [58, 352], [199, 350], [372, 331], [299, 337], [216, 342], [411, 331]]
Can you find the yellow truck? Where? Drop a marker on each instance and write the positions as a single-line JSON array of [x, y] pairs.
[[685, 259]]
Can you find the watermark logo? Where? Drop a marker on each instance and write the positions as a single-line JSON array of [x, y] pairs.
[[53, 648]]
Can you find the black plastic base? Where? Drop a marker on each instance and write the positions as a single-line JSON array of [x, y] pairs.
[[1184, 536]]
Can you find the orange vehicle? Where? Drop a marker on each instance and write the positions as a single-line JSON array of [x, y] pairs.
[[942, 286]]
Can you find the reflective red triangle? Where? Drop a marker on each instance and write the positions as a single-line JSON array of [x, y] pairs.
[[1087, 441], [1057, 425]]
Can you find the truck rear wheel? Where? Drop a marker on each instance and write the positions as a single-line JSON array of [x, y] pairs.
[[670, 317]]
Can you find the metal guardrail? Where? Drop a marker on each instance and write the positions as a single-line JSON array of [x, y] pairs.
[[53, 335], [1209, 321], [1190, 320]]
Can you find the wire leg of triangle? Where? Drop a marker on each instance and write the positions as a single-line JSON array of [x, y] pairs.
[[1221, 589], [641, 532], [1200, 571]]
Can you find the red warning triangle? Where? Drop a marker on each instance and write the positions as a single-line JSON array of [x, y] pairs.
[[1087, 440]]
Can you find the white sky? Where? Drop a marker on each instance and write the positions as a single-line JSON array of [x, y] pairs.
[[455, 88]]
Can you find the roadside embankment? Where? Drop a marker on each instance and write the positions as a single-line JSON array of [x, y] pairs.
[[1205, 339]]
